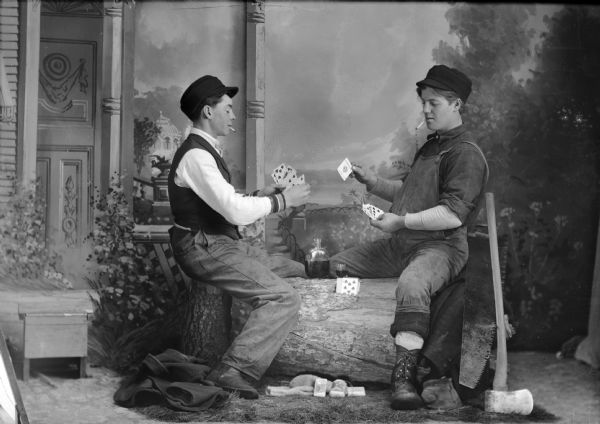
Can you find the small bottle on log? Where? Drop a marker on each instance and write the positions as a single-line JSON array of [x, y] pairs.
[[341, 271], [317, 261]]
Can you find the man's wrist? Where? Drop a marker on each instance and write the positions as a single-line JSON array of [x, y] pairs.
[[370, 185], [400, 222]]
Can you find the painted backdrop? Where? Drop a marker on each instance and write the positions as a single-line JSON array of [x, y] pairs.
[[340, 82]]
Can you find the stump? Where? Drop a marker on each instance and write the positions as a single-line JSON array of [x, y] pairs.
[[337, 335], [206, 323]]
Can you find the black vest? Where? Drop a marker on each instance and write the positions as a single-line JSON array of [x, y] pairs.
[[188, 209]]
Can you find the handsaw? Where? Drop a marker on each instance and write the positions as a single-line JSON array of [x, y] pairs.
[[479, 325]]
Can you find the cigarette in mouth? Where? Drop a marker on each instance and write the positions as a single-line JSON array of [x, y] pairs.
[[232, 129], [420, 125]]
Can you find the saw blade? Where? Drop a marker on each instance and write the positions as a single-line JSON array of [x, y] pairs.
[[479, 319]]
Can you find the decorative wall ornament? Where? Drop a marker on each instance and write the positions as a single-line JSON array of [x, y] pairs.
[[111, 105], [256, 12], [69, 222], [255, 109], [57, 80]]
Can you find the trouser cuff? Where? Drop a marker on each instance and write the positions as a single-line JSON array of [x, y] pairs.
[[417, 322]]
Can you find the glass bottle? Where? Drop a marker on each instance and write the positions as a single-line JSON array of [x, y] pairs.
[[341, 270], [317, 261]]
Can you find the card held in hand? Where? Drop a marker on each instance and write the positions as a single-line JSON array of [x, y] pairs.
[[345, 169], [372, 212], [286, 175], [278, 173]]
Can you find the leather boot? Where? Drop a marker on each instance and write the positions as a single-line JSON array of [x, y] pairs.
[[440, 394], [231, 380], [404, 393]]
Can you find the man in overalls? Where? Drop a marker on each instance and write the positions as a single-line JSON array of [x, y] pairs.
[[428, 222]]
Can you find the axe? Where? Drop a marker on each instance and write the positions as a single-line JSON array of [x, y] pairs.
[[500, 399]]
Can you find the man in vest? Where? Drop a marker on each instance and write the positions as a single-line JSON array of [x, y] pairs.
[[206, 241], [428, 220]]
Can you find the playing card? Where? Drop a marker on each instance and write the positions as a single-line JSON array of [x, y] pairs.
[[286, 175], [372, 212], [294, 181], [278, 173], [289, 177], [347, 285], [345, 169]]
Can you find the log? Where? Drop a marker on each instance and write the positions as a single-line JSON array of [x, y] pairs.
[[338, 335], [206, 323]]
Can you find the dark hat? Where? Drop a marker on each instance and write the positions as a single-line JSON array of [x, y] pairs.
[[450, 79], [200, 90]]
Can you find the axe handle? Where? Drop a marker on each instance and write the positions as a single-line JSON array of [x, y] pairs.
[[500, 375]]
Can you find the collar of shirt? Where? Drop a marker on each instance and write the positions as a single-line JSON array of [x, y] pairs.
[[211, 140], [437, 142]]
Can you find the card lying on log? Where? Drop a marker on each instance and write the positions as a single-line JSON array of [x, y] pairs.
[[347, 285]]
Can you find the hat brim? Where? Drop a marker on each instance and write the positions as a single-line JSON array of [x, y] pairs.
[[428, 82], [230, 91]]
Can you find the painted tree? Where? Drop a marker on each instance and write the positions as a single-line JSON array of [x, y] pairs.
[[557, 164], [541, 139], [494, 42]]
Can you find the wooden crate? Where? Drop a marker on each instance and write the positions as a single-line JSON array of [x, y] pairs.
[[54, 334]]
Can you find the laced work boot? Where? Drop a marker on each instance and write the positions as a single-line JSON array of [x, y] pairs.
[[404, 393]]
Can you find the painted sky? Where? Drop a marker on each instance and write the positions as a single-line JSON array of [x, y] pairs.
[[177, 42], [340, 76]]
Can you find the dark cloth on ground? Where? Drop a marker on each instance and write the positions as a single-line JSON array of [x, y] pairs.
[[172, 379]]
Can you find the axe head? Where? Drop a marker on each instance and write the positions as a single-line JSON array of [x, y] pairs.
[[509, 402]]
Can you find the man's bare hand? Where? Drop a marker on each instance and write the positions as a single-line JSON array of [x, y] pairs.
[[389, 222], [272, 189], [296, 195], [363, 175]]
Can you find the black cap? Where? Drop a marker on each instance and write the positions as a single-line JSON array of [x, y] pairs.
[[200, 90], [450, 79]]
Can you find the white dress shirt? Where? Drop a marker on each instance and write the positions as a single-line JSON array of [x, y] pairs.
[[198, 170]]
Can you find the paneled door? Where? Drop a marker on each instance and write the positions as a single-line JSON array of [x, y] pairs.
[[69, 117]]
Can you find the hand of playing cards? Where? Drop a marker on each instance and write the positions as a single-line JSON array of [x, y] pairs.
[[287, 176], [372, 212]]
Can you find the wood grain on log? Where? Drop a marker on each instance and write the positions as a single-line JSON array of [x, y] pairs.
[[337, 335]]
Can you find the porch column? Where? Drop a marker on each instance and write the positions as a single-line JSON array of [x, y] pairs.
[[255, 95], [111, 87], [127, 79], [27, 107]]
